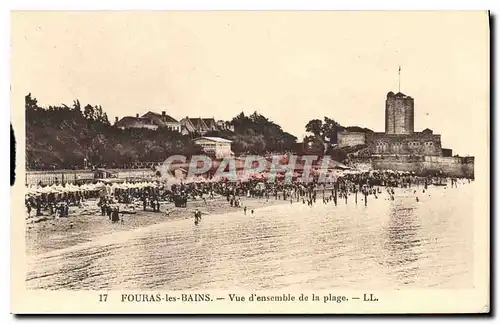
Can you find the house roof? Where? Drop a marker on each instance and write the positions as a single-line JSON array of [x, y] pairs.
[[214, 139], [187, 121], [163, 118], [128, 121], [427, 130], [198, 123], [208, 120]]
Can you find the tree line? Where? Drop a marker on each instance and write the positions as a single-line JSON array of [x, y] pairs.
[[70, 137]]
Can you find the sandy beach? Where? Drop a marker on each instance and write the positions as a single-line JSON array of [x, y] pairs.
[[57, 233]]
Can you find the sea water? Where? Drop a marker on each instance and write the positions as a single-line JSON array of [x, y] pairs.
[[387, 244]]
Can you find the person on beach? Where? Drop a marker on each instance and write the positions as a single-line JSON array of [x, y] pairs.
[[349, 184], [28, 207], [38, 207], [197, 216], [114, 215], [245, 210], [109, 210]]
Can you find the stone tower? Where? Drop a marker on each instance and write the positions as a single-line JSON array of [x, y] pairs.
[[399, 114]]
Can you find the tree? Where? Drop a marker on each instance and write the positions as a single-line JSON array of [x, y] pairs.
[[105, 119], [98, 114], [88, 112], [313, 145], [315, 126], [62, 136], [30, 103], [76, 106], [330, 128]]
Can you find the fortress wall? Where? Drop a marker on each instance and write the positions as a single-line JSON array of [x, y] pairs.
[[389, 116], [421, 143], [345, 139], [450, 166], [399, 114], [400, 109], [409, 116]]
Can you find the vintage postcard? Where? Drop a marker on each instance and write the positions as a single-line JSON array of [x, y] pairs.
[[232, 162]]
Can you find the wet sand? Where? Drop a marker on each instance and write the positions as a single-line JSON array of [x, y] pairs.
[[46, 233]]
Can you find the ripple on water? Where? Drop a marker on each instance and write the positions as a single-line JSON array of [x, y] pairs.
[[400, 243]]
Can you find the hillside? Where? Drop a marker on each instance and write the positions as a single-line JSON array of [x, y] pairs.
[[62, 137]]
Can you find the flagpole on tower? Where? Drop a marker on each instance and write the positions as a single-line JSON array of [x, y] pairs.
[[399, 79]]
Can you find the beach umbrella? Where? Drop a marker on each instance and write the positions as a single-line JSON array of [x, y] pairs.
[[46, 190], [32, 190]]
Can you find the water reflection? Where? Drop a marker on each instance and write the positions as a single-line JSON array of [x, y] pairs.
[[388, 244], [402, 239]]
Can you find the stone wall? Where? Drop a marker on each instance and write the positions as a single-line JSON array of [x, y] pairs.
[[422, 143], [447, 152], [450, 166], [399, 114], [345, 139], [389, 114]]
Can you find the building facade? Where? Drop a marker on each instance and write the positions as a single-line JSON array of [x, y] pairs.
[[149, 120], [186, 126], [215, 146], [399, 137], [419, 143], [202, 126], [164, 120], [135, 122], [345, 139], [399, 114]]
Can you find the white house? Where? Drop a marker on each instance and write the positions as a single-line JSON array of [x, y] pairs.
[[215, 146]]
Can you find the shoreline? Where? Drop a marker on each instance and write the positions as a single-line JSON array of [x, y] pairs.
[[59, 233], [86, 225]]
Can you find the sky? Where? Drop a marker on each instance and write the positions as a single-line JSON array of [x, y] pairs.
[[289, 66]]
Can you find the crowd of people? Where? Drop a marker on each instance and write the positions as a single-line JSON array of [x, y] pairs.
[[55, 203], [155, 194]]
